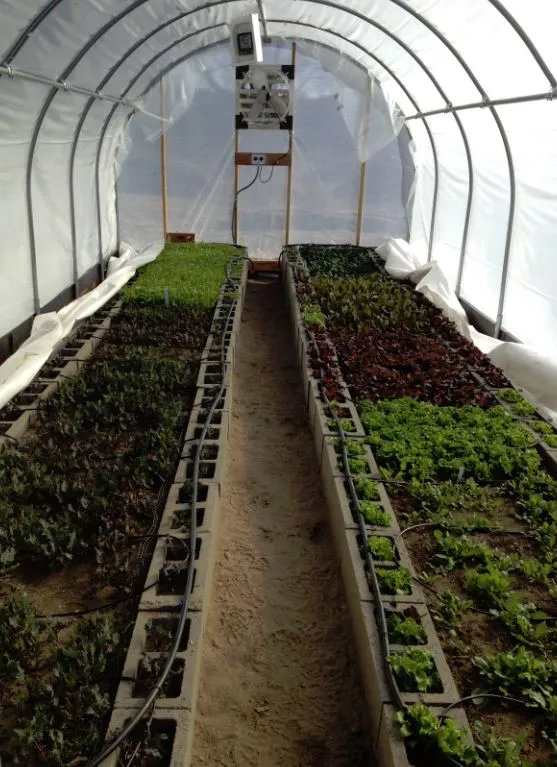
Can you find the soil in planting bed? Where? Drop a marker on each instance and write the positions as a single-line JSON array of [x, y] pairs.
[[79, 502], [279, 680]]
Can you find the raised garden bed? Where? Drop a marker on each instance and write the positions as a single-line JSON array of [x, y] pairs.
[[463, 459], [81, 497]]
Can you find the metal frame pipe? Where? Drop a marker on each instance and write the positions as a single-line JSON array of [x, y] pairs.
[[88, 106], [138, 3], [374, 58], [546, 96], [171, 66], [35, 22], [62, 85], [108, 119], [383, 29]]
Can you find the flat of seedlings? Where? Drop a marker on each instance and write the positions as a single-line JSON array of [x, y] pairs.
[[279, 681]]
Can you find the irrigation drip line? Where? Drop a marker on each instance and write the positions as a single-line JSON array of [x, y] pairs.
[[182, 620], [120, 600], [383, 630]]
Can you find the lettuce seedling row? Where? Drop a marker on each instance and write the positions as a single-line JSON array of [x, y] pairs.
[[80, 499], [464, 458]]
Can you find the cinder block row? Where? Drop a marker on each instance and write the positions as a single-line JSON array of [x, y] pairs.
[[171, 732], [217, 428], [76, 351], [174, 711], [351, 549]]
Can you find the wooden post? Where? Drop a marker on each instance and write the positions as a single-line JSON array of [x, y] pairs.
[[163, 168], [236, 187], [289, 181], [363, 169]]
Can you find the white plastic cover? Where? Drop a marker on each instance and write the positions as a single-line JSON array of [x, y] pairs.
[[200, 98], [84, 44]]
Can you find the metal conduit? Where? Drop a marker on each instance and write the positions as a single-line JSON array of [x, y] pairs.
[[546, 96], [509, 18], [383, 29], [108, 119], [506, 144]]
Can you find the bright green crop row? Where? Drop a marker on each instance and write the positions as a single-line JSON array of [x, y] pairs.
[[192, 273]]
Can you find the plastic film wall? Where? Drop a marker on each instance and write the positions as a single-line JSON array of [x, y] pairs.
[[484, 199], [332, 117]]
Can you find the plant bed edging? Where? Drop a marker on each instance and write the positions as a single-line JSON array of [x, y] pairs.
[[390, 745], [86, 348], [179, 711]]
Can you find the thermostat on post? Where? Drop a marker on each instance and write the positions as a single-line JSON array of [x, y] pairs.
[[247, 45]]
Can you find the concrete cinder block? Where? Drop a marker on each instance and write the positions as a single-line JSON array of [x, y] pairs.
[[177, 514], [179, 726], [390, 747], [162, 568], [218, 426], [185, 682]]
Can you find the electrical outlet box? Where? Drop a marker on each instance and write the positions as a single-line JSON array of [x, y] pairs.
[[259, 159]]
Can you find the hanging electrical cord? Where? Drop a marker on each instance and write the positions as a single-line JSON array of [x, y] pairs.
[[182, 619], [235, 205]]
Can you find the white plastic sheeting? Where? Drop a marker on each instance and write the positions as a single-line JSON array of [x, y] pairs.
[[354, 124], [471, 48], [523, 365], [50, 329]]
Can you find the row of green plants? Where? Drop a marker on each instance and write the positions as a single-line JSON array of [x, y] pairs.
[[467, 476], [80, 495], [390, 340]]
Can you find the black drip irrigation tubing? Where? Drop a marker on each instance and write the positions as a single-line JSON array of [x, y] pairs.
[[182, 619], [435, 750], [383, 630]]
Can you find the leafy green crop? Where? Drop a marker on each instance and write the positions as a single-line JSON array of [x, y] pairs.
[[375, 301], [448, 609], [312, 314], [422, 729], [415, 670], [395, 581], [374, 514], [381, 548], [337, 260], [366, 489], [419, 441], [491, 585], [522, 674], [192, 273], [406, 631]]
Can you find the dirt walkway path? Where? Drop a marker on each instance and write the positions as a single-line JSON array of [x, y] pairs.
[[279, 684]]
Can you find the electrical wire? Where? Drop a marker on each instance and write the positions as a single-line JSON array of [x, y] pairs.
[[182, 619], [235, 205]]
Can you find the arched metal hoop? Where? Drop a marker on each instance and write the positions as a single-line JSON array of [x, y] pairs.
[[164, 71], [183, 15], [401, 4]]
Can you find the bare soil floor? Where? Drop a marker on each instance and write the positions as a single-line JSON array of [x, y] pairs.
[[279, 684]]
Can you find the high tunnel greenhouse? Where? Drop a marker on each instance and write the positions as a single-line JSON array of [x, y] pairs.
[[278, 383]]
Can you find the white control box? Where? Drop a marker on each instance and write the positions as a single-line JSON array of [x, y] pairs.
[[247, 45]]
